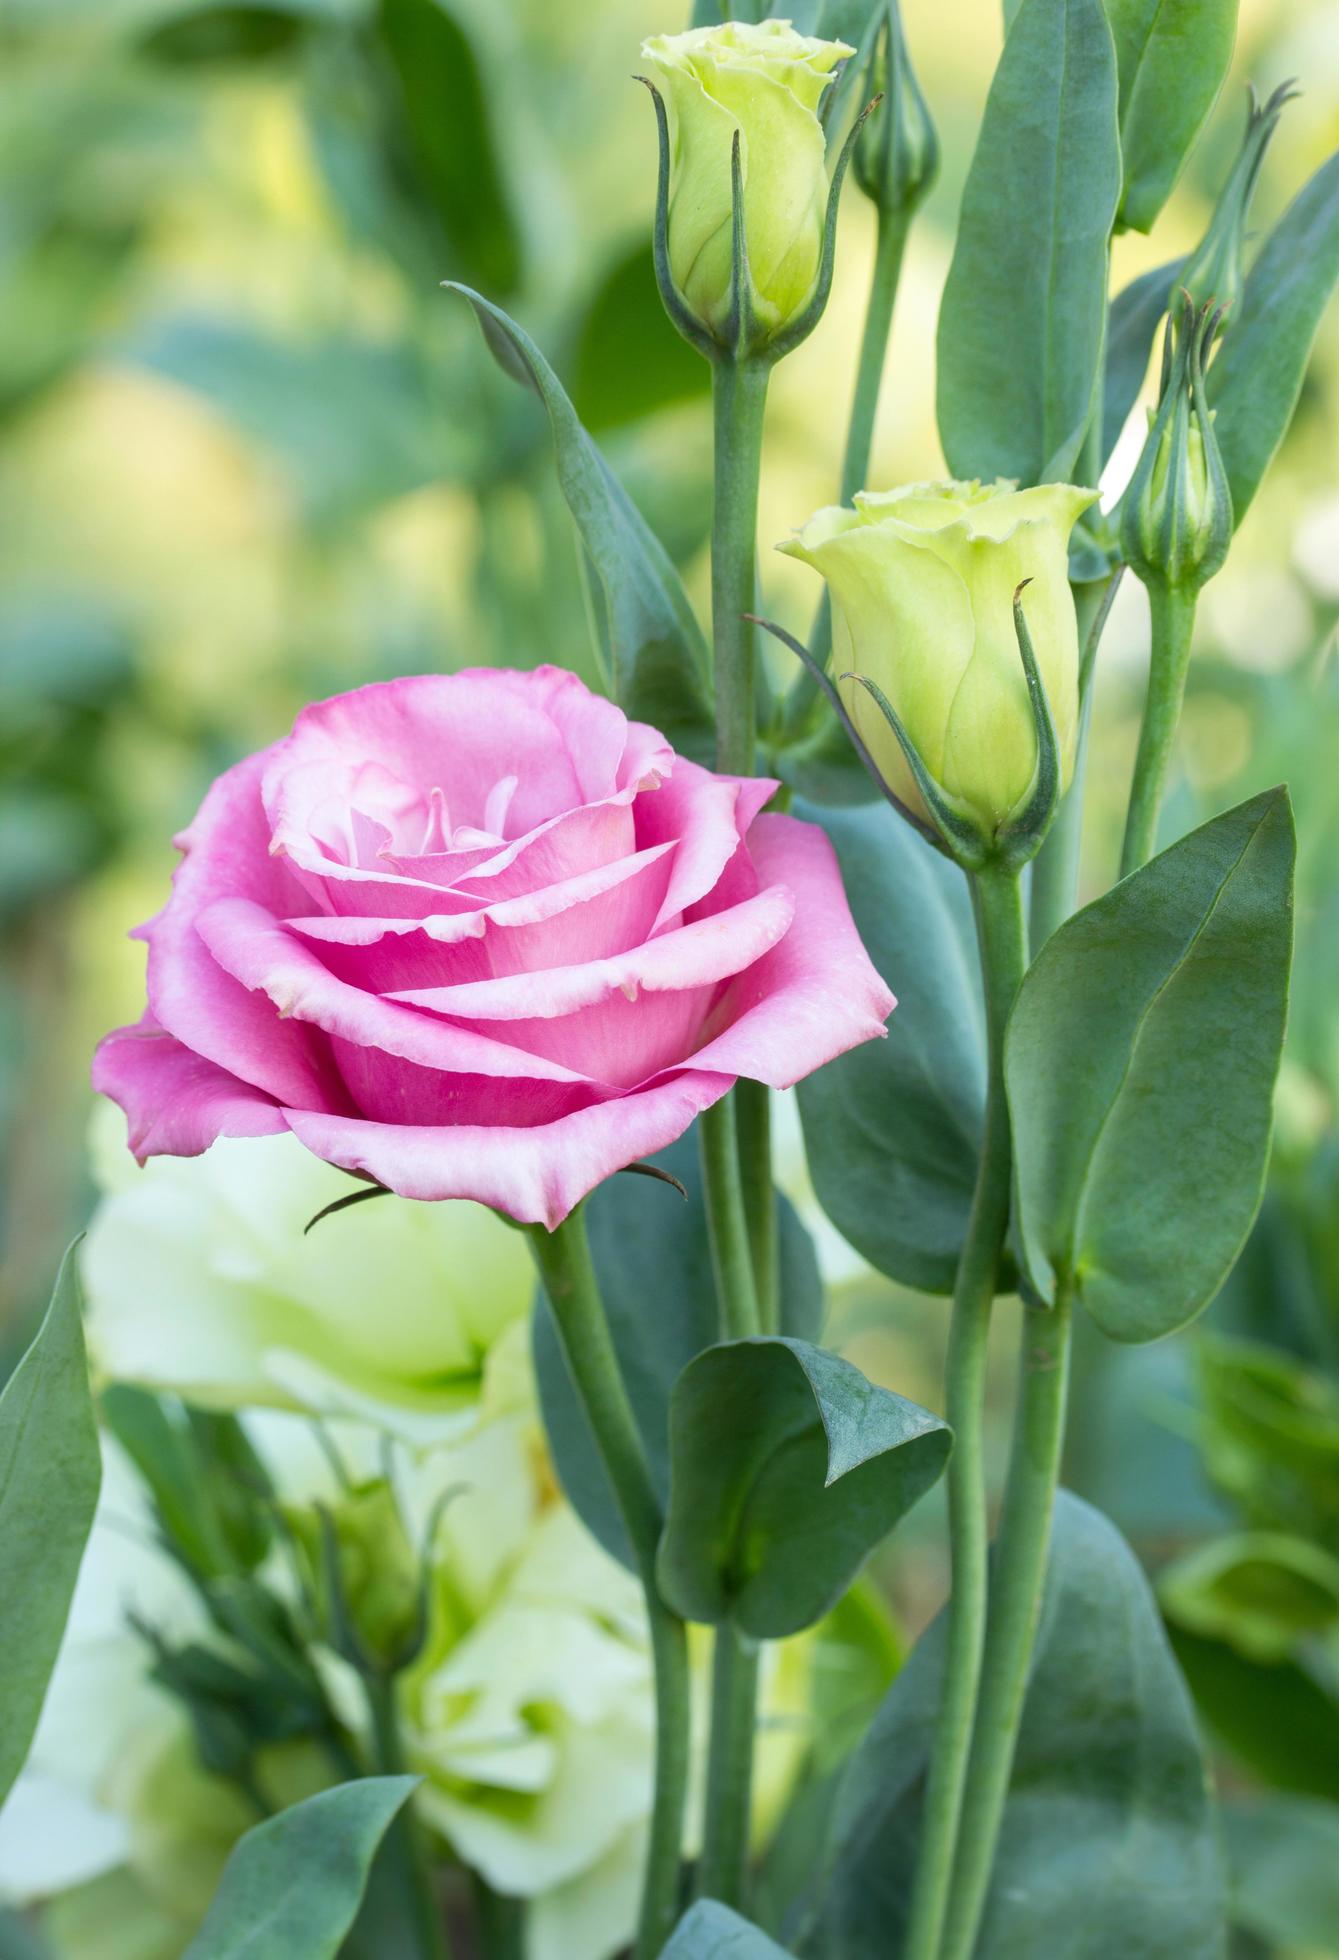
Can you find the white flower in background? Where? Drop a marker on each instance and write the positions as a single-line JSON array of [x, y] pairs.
[[200, 1280]]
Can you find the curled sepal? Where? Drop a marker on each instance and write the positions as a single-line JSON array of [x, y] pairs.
[[1176, 515], [897, 155], [1213, 271], [958, 831], [808, 318], [673, 300], [820, 677], [1020, 836]]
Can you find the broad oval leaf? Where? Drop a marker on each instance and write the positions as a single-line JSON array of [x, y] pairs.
[[50, 1474], [1132, 324], [1024, 308], [1283, 1854], [654, 1264], [1256, 377], [292, 1886], [892, 1132], [655, 655], [1140, 1062], [711, 1931], [1109, 1822], [629, 360], [1172, 56], [1275, 1718], [787, 1468]]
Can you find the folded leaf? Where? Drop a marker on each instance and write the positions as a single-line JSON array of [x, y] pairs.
[[1024, 308], [1140, 1062], [787, 1467], [1173, 56], [709, 1931], [50, 1473], [892, 1131], [655, 655], [293, 1885]]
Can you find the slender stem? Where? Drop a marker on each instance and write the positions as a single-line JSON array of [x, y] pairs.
[[727, 1222], [734, 1696], [753, 1106], [1055, 869], [1003, 946], [406, 1844], [564, 1262], [739, 399], [1015, 1602], [500, 1919], [1173, 622]]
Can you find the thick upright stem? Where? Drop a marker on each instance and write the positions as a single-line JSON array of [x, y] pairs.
[[739, 399], [734, 1698], [1055, 869], [1015, 1603], [1003, 945], [406, 1849], [564, 1262], [1173, 622]]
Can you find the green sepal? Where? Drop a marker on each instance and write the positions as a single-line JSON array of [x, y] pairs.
[[957, 832], [1021, 835]]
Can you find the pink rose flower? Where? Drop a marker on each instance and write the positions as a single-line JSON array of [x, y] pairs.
[[480, 936]]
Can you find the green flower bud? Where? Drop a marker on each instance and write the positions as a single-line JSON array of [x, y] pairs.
[[363, 1577], [923, 581], [764, 82], [1176, 515], [1213, 271], [897, 150]]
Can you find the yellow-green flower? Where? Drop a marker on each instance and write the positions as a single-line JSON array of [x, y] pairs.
[[766, 81], [922, 582]]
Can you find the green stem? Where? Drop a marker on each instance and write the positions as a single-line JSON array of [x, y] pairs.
[[406, 1844], [739, 400], [564, 1262], [500, 1919], [1015, 1603], [734, 1696], [1003, 945], [1055, 869], [753, 1106], [727, 1222], [1173, 623]]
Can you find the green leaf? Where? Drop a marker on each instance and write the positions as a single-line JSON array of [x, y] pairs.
[[292, 1886], [1024, 308], [1172, 56], [787, 1468], [655, 655], [1270, 1434], [1132, 324], [1108, 1843], [443, 115], [1261, 1591], [643, 1236], [1255, 379], [1274, 1718], [709, 1931], [1140, 1062], [1283, 1854], [629, 360], [50, 1473], [892, 1132]]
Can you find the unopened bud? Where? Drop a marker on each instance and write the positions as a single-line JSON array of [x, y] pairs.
[[1176, 517], [1214, 270], [897, 150]]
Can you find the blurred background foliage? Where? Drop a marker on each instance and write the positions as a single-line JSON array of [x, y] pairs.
[[252, 455]]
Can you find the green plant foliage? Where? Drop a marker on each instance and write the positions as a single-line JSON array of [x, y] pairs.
[[655, 656], [1275, 1719], [1284, 1857], [787, 1467], [710, 1931], [1140, 1063], [629, 360], [1135, 315], [1256, 379], [892, 1131], [1024, 307], [1261, 1591], [292, 1887], [650, 1248], [1109, 1822], [1172, 56], [50, 1473]]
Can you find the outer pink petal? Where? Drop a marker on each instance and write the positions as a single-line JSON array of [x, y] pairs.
[[260, 953], [816, 994], [227, 856], [176, 1104], [708, 816], [535, 1175]]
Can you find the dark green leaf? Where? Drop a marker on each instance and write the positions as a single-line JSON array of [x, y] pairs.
[[50, 1473], [1132, 325], [1024, 309], [787, 1467], [656, 657], [892, 1133], [709, 1931], [445, 112], [1283, 1855], [1108, 1844], [629, 360], [1255, 379], [1270, 1435], [651, 1254], [1275, 1718], [1172, 56], [292, 1886], [1261, 1591], [1140, 1063], [202, 34]]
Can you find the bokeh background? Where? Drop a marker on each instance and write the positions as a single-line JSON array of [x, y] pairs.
[[251, 455]]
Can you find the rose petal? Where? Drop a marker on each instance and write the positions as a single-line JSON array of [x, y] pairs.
[[176, 1103], [707, 815]]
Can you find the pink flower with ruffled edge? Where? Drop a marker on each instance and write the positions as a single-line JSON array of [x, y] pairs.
[[480, 936]]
